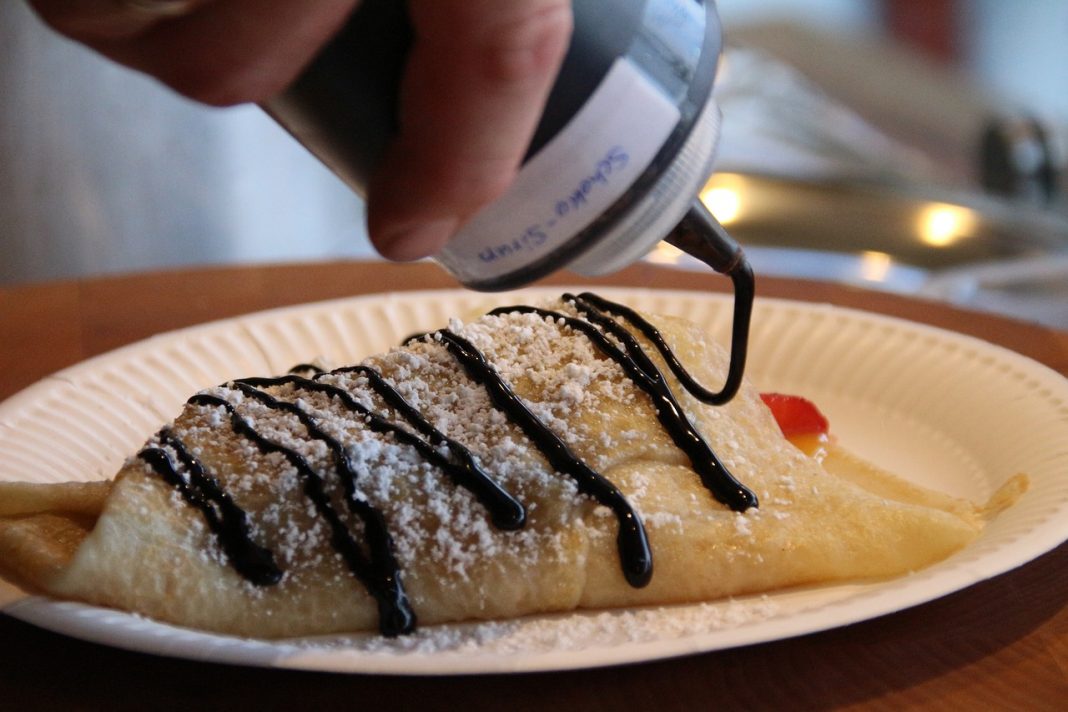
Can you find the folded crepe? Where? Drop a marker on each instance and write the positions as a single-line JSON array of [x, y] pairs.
[[533, 460]]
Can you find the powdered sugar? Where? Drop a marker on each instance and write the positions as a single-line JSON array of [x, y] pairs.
[[345, 433], [428, 514], [572, 632]]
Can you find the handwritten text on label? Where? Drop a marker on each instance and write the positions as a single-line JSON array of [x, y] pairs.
[[607, 170]]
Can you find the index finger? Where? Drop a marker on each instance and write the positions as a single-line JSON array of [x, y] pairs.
[[89, 20]]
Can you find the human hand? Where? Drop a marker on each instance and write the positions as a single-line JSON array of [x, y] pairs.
[[476, 81]]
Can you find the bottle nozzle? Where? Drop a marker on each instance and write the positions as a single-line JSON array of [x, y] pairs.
[[700, 235]]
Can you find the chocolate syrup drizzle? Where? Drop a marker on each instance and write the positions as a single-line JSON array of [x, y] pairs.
[[228, 521], [379, 573], [373, 563], [588, 300], [645, 374], [634, 552]]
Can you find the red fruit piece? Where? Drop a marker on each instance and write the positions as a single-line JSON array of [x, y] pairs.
[[796, 415]]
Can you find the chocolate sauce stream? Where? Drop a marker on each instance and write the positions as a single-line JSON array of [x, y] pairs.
[[644, 373], [634, 552], [738, 348], [713, 473], [226, 520], [381, 574], [700, 235]]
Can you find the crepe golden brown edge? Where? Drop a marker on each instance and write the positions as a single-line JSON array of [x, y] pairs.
[[135, 545]]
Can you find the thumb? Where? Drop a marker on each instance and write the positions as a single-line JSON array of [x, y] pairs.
[[475, 85]]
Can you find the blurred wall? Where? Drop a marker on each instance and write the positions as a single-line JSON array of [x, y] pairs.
[[1021, 48], [105, 170], [842, 15]]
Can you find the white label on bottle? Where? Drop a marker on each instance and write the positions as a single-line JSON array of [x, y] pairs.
[[571, 181]]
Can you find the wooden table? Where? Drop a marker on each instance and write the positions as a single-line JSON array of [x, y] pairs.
[[1002, 644]]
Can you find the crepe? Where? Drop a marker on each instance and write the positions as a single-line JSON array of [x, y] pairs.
[[523, 463]]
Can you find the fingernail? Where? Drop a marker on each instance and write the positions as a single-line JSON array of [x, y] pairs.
[[411, 242]]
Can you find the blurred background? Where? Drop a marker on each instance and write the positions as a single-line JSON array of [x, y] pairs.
[[917, 146]]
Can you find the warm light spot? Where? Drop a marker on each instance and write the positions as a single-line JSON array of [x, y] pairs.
[[942, 225], [724, 203], [874, 266], [664, 254]]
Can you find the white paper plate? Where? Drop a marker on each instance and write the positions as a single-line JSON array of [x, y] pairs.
[[946, 410]]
